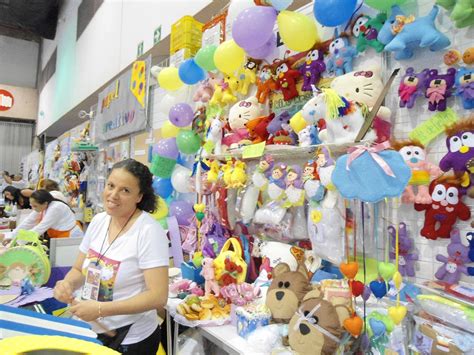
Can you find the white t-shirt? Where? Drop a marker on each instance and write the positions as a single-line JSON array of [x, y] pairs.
[[58, 195], [143, 246]]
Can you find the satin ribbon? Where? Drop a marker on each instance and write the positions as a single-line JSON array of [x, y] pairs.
[[467, 91], [355, 152], [406, 91], [308, 318], [436, 94]]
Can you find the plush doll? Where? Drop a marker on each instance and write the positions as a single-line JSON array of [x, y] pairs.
[[402, 34], [286, 291], [214, 134], [257, 128], [462, 11], [224, 92], [279, 122], [317, 326], [341, 55], [468, 56], [294, 187], [308, 136], [312, 68], [286, 79], [206, 89], [208, 273], [411, 86], [248, 75], [460, 144], [465, 87], [406, 256], [439, 88], [239, 114], [262, 172], [312, 185], [453, 266], [265, 83], [227, 173], [238, 177], [366, 30], [213, 173], [422, 171], [446, 208], [276, 183]]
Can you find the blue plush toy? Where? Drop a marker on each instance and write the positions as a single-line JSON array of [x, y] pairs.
[[465, 87], [402, 34], [341, 54]]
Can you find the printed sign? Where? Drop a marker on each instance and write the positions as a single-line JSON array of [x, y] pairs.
[[6, 100]]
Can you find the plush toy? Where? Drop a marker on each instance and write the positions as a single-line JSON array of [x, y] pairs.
[[238, 177], [279, 122], [208, 273], [294, 187], [453, 266], [452, 57], [411, 86], [465, 87], [227, 173], [366, 30], [462, 11], [248, 75], [276, 183], [308, 136], [402, 34], [312, 68], [468, 56], [470, 239], [312, 186], [317, 326], [262, 172], [224, 92], [206, 89], [446, 208], [239, 114], [439, 88], [265, 83], [286, 79], [422, 171], [341, 55], [406, 256], [286, 291], [214, 134], [460, 144], [257, 128], [213, 173]]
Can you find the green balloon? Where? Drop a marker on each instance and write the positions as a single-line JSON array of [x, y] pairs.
[[163, 222], [188, 142], [205, 57], [383, 5]]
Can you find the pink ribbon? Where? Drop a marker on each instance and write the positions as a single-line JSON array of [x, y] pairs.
[[436, 94], [406, 91], [355, 152]]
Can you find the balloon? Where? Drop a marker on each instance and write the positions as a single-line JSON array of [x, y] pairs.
[[297, 122], [186, 160], [183, 211], [229, 57], [169, 130], [188, 142], [281, 5], [181, 115], [253, 27], [190, 73], [169, 79], [180, 179], [166, 148], [161, 209], [264, 51], [297, 30], [162, 187], [205, 57], [236, 7], [383, 5], [333, 13]]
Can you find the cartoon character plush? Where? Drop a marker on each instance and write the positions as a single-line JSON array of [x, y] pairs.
[[257, 128], [439, 89], [294, 187], [286, 79], [446, 208], [206, 89], [262, 172], [465, 87], [308, 136], [422, 171], [248, 75], [406, 256], [453, 266], [462, 11], [341, 55], [208, 273], [239, 115], [312, 68], [265, 83], [286, 291], [468, 56], [317, 326], [411, 86], [214, 134], [224, 92], [366, 30], [460, 144], [280, 122]]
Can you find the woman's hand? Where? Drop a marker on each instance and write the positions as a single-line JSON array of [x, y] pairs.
[[86, 310], [63, 291]]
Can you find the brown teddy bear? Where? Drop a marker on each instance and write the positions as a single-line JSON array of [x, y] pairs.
[[286, 291], [317, 326]]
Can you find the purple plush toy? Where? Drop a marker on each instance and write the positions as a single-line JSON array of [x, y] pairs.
[[438, 88], [460, 144], [453, 266], [279, 122], [412, 86], [312, 68], [406, 258]]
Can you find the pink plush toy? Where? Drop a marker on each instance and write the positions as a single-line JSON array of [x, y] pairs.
[[209, 275], [206, 89], [240, 294], [185, 285]]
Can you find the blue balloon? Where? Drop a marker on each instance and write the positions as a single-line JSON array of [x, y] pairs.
[[190, 73], [186, 160], [281, 5], [162, 187], [332, 13]]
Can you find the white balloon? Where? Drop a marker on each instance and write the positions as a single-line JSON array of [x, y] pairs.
[[180, 179], [155, 70], [235, 8]]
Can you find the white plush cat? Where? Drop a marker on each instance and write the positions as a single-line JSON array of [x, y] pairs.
[[239, 114]]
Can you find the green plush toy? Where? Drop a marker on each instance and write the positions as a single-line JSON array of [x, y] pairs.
[[366, 30], [462, 11]]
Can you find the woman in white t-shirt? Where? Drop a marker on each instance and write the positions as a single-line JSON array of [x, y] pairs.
[[122, 265]]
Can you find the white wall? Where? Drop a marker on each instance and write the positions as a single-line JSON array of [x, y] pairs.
[[25, 105]]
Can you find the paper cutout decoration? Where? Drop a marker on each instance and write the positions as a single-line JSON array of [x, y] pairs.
[[138, 81], [432, 128]]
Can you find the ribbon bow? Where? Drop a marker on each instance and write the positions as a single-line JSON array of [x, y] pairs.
[[355, 152], [400, 22], [311, 321], [436, 94]]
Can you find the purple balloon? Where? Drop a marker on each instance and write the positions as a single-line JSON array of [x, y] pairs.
[[167, 148], [265, 50], [183, 211], [366, 293], [253, 26], [181, 115]]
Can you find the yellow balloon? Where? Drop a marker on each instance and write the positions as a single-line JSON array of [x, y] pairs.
[[297, 30], [161, 209], [169, 79], [297, 122], [229, 57], [169, 130]]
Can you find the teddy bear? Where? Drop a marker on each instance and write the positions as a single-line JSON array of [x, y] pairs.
[[286, 291], [239, 115], [317, 326], [465, 87], [406, 257], [412, 86], [439, 88], [458, 255]]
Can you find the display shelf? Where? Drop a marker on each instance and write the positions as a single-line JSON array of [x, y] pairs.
[[226, 338], [447, 295]]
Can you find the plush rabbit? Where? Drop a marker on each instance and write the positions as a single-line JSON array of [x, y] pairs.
[[406, 257], [458, 255], [209, 275]]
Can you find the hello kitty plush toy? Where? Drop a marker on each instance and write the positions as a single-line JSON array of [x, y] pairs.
[[239, 114]]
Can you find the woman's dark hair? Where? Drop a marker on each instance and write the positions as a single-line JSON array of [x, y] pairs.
[[49, 185], [145, 181], [20, 200], [43, 196]]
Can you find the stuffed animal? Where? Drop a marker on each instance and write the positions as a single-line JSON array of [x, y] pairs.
[[402, 34], [227, 173], [465, 87], [460, 144], [308, 136], [248, 75], [279, 122], [312, 68], [366, 30], [208, 273], [406, 256], [458, 255], [239, 114], [446, 208], [317, 326], [468, 56], [412, 86], [224, 92], [422, 171], [214, 134], [265, 83], [238, 177], [206, 89], [462, 11], [286, 79], [439, 88], [341, 55], [257, 128], [286, 291]]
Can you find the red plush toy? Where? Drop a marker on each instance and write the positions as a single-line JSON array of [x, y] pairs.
[[286, 78], [444, 210], [258, 128]]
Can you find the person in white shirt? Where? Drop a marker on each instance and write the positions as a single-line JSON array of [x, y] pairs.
[[14, 180], [49, 185], [122, 265]]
